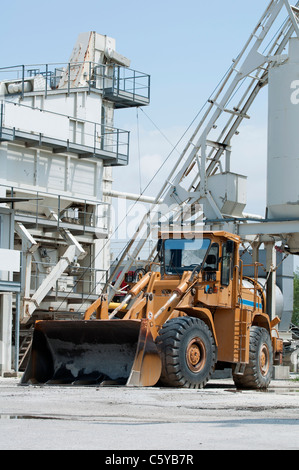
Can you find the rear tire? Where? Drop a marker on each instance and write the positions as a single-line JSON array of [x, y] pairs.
[[258, 373], [188, 352]]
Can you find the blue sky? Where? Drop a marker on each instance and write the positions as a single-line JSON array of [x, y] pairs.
[[48, 30], [184, 45]]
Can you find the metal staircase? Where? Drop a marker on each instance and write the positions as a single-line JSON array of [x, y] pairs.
[[24, 349], [187, 186]]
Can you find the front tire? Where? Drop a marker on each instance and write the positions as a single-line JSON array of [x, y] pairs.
[[258, 373], [188, 352]]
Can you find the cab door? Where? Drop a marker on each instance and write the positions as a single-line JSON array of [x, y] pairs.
[[227, 270]]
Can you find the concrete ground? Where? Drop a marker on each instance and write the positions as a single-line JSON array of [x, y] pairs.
[[117, 418]]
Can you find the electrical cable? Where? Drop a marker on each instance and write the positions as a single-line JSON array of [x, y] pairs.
[[138, 148]]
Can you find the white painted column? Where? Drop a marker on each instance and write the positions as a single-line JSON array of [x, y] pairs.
[[271, 275], [5, 333]]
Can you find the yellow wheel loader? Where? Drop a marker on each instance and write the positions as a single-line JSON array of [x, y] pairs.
[[173, 328]]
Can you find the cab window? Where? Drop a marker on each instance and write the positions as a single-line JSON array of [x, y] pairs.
[[227, 262], [184, 255], [212, 259]]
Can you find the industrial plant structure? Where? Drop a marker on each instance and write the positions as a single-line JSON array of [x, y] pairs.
[[58, 146]]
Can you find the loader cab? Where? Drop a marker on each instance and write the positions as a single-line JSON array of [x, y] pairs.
[[210, 253], [213, 255]]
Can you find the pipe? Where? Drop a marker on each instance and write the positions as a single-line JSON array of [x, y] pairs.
[[252, 216], [17, 332], [130, 196]]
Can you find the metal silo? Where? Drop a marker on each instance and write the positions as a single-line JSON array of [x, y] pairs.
[[283, 142]]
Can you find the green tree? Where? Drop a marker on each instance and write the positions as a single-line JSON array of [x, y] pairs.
[[295, 318]]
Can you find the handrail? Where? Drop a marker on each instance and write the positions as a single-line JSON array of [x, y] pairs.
[[93, 218], [63, 76], [97, 137]]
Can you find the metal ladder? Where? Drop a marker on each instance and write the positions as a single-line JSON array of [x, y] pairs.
[[241, 333], [24, 349], [187, 184]]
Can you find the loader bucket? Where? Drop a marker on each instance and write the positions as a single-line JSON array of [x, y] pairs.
[[93, 352]]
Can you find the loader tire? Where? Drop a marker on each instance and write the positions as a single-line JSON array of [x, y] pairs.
[[188, 353], [258, 373]]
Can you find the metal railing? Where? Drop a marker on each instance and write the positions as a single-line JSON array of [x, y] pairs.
[[72, 134], [124, 82], [78, 282], [81, 213], [67, 76]]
